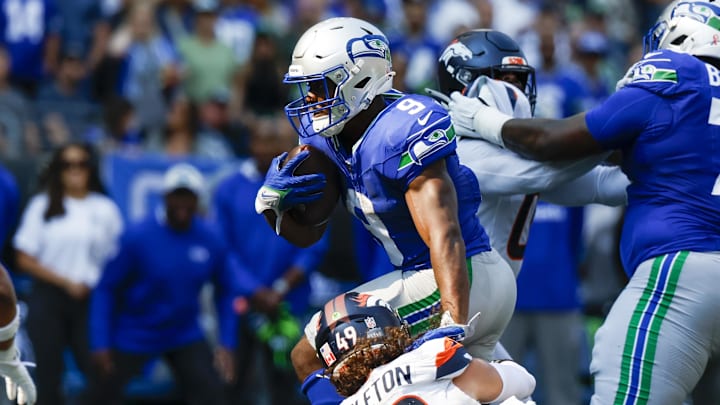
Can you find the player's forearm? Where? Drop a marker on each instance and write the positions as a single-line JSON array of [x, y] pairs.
[[549, 140], [450, 269]]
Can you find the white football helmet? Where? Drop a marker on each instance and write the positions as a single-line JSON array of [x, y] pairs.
[[344, 61], [689, 27]]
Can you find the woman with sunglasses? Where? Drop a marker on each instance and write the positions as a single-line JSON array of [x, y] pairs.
[[67, 232]]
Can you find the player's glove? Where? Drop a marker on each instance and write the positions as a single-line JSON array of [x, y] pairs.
[[474, 119], [18, 384], [281, 190], [456, 333], [447, 321]]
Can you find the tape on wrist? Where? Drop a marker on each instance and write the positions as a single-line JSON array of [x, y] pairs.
[[8, 331], [489, 125]]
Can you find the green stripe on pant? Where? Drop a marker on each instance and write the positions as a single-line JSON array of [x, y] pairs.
[[425, 304], [648, 342]]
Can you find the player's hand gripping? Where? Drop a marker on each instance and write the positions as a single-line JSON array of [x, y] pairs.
[[448, 328], [474, 119], [18, 384], [281, 190]]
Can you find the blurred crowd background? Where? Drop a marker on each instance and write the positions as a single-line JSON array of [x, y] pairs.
[[149, 83]]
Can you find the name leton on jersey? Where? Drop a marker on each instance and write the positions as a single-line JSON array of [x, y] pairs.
[[376, 390]]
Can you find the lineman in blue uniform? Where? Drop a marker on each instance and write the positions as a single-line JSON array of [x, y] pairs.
[[661, 331], [401, 178]]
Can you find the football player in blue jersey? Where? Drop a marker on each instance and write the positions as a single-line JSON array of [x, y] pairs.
[[661, 331], [401, 177]]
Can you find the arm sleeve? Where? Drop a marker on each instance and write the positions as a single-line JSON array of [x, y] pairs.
[[603, 185], [625, 114], [102, 300], [503, 172]]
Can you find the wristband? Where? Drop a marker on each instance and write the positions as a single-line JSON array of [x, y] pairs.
[[489, 123], [8, 331]]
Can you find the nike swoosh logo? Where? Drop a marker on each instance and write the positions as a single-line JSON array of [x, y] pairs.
[[267, 196], [422, 121]]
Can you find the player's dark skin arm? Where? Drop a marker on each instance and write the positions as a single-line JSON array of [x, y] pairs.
[[546, 139], [432, 202], [299, 235]]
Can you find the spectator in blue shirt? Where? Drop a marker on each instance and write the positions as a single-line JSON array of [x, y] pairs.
[[30, 30], [9, 200], [147, 302]]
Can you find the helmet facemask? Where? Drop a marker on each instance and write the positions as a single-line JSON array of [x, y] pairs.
[[488, 53], [325, 117]]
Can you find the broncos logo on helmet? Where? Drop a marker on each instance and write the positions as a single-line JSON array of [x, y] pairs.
[[488, 53]]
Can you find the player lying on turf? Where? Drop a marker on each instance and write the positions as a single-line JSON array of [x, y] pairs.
[[372, 358]]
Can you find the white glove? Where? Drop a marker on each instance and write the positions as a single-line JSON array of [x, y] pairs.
[[18, 384], [447, 320], [474, 119]]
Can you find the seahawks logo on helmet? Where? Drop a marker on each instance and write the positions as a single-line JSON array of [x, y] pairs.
[[369, 45]]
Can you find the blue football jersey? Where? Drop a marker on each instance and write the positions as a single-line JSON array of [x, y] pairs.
[[667, 123], [410, 134]]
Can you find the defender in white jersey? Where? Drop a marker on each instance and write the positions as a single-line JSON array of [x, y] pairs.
[[662, 329], [372, 359], [510, 184]]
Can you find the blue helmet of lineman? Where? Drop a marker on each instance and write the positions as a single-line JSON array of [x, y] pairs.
[[484, 53], [691, 27], [349, 317], [344, 62]]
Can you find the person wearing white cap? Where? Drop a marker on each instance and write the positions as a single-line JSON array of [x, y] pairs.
[[147, 302]]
